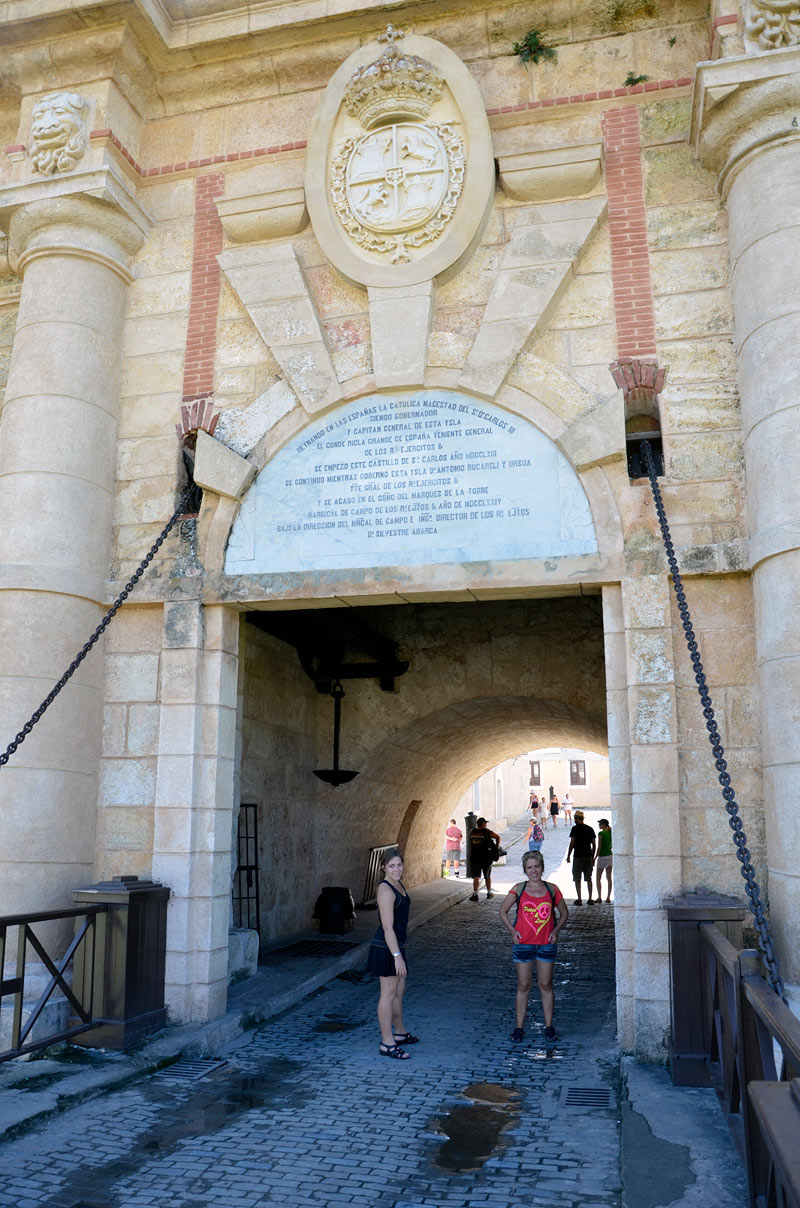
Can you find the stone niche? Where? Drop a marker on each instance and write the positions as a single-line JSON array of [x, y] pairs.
[[411, 479]]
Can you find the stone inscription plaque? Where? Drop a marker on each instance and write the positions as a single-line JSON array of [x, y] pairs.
[[408, 480]]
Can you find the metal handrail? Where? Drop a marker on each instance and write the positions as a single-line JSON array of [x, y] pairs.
[[56, 967], [47, 916]]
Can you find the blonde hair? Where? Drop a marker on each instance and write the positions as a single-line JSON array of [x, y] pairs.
[[532, 855]]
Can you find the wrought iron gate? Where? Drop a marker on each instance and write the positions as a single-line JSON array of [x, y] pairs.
[[374, 874], [245, 880]]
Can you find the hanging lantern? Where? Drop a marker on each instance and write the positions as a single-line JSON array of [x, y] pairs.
[[336, 775]]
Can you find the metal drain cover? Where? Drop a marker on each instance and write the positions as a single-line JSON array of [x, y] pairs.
[[315, 948], [189, 1071], [586, 1096]]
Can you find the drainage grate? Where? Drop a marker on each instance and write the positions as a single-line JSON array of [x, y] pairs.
[[316, 948], [189, 1071], [586, 1096]]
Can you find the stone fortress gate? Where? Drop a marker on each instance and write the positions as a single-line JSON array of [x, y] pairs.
[[376, 275]]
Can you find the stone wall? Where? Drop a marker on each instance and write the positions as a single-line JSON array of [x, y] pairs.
[[278, 721], [198, 149], [126, 797]]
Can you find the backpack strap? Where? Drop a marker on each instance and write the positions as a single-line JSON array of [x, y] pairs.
[[519, 889]]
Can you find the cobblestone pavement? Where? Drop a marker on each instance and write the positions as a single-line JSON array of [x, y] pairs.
[[305, 1112]]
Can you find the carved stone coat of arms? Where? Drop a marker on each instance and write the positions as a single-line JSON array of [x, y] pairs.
[[396, 186], [402, 131]]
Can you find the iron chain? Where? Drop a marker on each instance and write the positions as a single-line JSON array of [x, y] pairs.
[[76, 662], [735, 822]]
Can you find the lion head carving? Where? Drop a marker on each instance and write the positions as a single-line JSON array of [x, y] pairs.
[[58, 132]]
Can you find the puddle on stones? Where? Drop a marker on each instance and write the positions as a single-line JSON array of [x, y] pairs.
[[40, 1082], [336, 1025], [474, 1130], [211, 1104], [215, 1101], [543, 1054]]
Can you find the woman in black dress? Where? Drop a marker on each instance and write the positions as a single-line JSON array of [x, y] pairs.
[[387, 957]]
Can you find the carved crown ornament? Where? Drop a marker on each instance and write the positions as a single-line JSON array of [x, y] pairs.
[[396, 85], [399, 175], [771, 24]]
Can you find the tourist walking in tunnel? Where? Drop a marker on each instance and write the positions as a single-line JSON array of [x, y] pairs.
[[582, 840], [534, 837], [605, 859], [452, 847], [535, 935], [387, 959], [483, 847]]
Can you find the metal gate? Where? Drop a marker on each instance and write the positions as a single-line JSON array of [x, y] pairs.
[[374, 874], [245, 880]]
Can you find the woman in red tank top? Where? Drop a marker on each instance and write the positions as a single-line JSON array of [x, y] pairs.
[[535, 935]]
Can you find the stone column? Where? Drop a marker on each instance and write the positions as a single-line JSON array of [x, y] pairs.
[[57, 472], [745, 127], [194, 801], [643, 758]]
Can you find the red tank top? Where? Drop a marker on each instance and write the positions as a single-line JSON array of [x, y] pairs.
[[535, 921]]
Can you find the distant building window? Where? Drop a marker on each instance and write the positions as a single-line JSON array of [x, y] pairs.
[[577, 771], [536, 774]]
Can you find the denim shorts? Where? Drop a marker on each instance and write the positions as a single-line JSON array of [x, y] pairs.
[[525, 953]]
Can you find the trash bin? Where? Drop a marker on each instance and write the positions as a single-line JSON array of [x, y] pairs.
[[334, 910], [124, 984]]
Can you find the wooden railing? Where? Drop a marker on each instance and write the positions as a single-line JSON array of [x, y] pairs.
[[759, 1093], [21, 1030]]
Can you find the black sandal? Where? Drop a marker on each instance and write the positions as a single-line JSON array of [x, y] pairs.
[[405, 1038], [394, 1050]]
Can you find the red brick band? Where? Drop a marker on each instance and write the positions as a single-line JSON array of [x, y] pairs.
[[201, 337], [190, 165], [627, 223], [584, 98]]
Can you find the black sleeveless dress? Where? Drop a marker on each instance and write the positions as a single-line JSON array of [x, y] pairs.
[[380, 960]]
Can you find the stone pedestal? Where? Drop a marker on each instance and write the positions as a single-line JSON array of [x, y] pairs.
[[745, 128], [57, 467]]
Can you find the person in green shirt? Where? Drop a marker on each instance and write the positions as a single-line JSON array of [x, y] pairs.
[[604, 862]]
